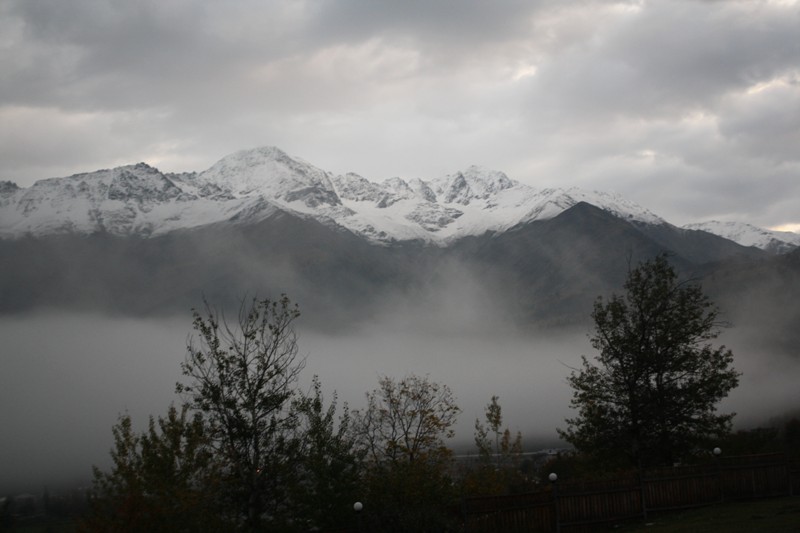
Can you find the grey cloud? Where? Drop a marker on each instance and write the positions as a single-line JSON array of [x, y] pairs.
[[140, 54], [767, 124], [691, 54], [667, 60], [433, 26], [671, 79]]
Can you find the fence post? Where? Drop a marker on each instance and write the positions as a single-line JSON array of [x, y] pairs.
[[642, 494], [553, 477]]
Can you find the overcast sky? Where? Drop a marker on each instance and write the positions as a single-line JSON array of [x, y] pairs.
[[690, 108]]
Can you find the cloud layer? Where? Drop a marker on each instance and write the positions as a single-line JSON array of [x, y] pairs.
[[689, 107]]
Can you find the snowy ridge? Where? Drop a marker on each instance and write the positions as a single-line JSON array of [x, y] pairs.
[[749, 235], [251, 185], [130, 200]]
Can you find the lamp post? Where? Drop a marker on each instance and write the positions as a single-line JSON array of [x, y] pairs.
[[358, 507], [717, 451], [553, 477]]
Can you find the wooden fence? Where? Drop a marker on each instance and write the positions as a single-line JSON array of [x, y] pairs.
[[586, 505]]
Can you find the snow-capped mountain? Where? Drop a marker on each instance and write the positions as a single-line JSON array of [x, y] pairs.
[[134, 240], [252, 184], [749, 235], [471, 202]]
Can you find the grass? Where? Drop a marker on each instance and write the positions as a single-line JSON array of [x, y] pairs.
[[44, 525], [778, 515], [763, 516]]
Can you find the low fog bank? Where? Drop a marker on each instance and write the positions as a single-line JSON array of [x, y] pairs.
[[768, 387], [529, 377], [67, 378]]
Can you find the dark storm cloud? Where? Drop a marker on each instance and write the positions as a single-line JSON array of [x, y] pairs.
[[612, 95]]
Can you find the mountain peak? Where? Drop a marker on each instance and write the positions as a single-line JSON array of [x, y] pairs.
[[486, 182], [257, 155], [8, 188], [142, 183], [254, 158], [474, 183], [270, 172]]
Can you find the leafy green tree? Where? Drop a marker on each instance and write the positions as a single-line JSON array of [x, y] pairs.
[[402, 432], [408, 420], [243, 377], [160, 479], [330, 467], [499, 454], [495, 444], [650, 396]]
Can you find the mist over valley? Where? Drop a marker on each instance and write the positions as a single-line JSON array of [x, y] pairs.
[[69, 376]]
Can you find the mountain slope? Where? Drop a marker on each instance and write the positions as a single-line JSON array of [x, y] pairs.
[[554, 269], [546, 271], [761, 299], [335, 273]]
